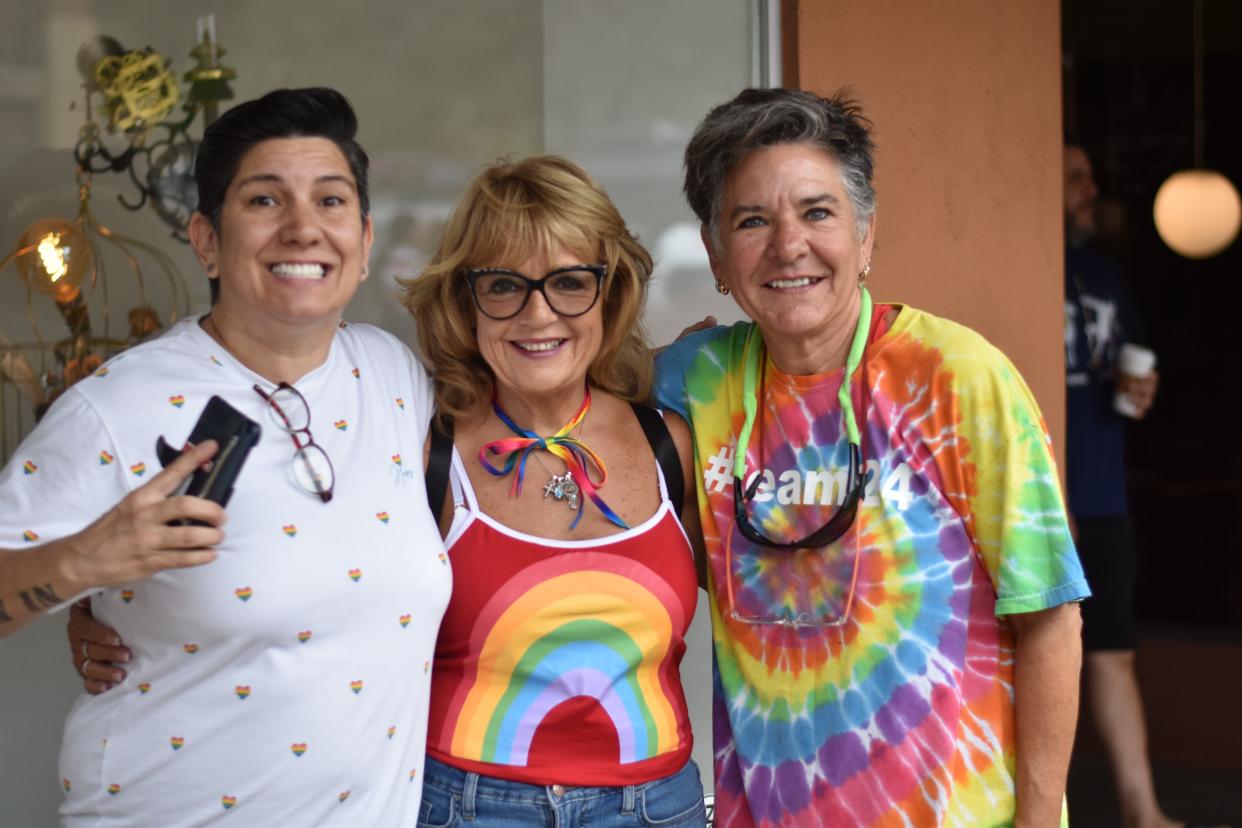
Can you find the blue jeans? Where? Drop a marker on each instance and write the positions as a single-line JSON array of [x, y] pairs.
[[453, 797]]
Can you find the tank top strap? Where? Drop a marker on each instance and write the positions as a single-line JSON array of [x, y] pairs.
[[459, 483]]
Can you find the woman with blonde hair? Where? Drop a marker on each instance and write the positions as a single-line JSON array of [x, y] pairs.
[[555, 687]]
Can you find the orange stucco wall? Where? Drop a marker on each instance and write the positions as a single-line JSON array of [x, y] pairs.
[[966, 100]]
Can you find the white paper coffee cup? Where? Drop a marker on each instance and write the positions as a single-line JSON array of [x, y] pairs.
[[1133, 361]]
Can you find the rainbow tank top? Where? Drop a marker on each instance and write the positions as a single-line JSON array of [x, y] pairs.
[[557, 661]]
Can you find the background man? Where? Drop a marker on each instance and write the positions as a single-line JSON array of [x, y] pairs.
[[1095, 330]]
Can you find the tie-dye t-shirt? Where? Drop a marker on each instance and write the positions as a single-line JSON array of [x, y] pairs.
[[903, 714]]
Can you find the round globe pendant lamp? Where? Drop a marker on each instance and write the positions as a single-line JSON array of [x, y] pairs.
[[1197, 211]]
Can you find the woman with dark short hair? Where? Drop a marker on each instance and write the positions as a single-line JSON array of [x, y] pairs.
[[890, 573], [286, 681]]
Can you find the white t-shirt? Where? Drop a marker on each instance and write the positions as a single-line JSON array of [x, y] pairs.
[[285, 683]]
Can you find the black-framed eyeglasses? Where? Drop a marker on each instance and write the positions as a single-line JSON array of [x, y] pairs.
[[569, 291], [312, 468]]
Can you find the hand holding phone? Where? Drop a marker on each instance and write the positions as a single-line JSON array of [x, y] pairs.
[[149, 531], [236, 435]]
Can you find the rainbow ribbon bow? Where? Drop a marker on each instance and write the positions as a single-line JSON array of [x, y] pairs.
[[578, 458]]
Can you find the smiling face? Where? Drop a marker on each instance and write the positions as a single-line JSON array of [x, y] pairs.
[[789, 248], [291, 247], [539, 355]]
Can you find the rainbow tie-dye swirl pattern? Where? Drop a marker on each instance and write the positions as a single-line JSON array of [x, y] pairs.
[[904, 715]]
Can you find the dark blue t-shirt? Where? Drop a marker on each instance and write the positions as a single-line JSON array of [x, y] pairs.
[[1095, 433]]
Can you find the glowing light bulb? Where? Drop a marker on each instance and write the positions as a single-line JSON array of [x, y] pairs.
[[1197, 213], [55, 258]]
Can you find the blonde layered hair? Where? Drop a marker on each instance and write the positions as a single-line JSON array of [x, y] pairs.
[[509, 212]]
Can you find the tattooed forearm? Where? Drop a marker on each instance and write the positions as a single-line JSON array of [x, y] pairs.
[[31, 583], [39, 598]]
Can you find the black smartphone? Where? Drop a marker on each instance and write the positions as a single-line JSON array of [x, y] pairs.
[[236, 434]]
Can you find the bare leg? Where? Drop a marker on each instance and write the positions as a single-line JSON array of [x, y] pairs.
[[1117, 710]]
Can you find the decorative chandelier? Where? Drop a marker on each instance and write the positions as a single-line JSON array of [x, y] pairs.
[[146, 134], [140, 96]]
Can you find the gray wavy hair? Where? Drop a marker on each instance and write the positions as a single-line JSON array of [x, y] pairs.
[[759, 118]]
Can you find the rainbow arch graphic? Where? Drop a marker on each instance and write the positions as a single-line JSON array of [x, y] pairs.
[[581, 624]]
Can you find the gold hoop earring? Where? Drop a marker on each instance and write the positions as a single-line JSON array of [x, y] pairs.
[[862, 277], [722, 288]]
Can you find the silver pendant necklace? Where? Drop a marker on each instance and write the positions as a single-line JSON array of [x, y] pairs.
[[562, 487]]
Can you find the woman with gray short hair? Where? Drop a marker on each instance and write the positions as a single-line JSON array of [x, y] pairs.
[[892, 580]]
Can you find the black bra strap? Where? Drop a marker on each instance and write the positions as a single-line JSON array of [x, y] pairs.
[[438, 461], [665, 452]]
